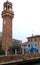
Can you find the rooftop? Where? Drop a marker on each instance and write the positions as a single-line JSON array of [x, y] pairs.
[[33, 36]]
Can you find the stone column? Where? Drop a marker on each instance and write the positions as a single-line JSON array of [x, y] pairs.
[[15, 52], [26, 48], [22, 50], [6, 52]]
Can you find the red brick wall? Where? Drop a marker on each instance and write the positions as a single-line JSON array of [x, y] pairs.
[[7, 33]]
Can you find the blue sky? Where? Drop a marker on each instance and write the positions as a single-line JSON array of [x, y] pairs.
[[26, 18]]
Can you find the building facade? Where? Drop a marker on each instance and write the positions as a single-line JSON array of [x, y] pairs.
[[33, 40]]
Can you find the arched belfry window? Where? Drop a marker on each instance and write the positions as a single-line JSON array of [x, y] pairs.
[[9, 7], [4, 8]]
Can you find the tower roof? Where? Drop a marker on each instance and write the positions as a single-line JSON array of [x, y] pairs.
[[7, 3]]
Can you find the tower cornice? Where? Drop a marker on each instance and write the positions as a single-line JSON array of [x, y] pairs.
[[7, 12]]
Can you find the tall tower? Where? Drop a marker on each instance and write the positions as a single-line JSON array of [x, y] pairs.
[[7, 15]]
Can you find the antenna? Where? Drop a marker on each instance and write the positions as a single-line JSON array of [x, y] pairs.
[[32, 34], [7, 0]]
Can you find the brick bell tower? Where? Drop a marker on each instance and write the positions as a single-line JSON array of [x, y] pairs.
[[7, 15]]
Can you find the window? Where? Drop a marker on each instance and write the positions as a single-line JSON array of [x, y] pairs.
[[29, 45], [28, 40], [35, 39], [9, 8], [31, 39]]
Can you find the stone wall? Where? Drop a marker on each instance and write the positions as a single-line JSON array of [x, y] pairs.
[[18, 58]]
